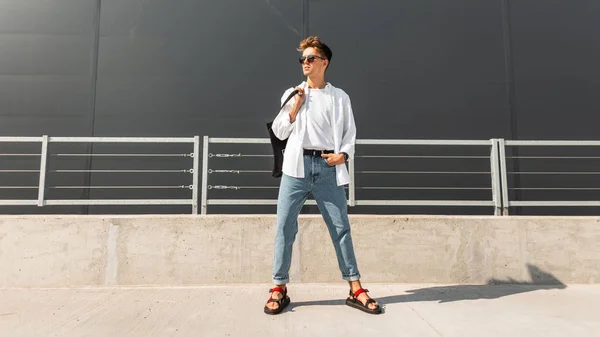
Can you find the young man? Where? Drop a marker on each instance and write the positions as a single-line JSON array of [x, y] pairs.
[[321, 130]]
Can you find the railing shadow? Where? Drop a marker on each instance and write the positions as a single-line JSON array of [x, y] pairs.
[[495, 288]]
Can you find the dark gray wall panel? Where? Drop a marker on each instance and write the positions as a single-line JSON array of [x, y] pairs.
[[557, 77], [419, 70], [192, 68], [213, 68], [427, 69], [46, 66], [46, 51], [37, 100], [47, 17]]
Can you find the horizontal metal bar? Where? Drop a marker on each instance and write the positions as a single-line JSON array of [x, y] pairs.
[[422, 142], [557, 173], [258, 187], [239, 140], [18, 171], [424, 188], [420, 172], [119, 202], [224, 155], [19, 187], [237, 188], [18, 202], [121, 155], [119, 140], [21, 139], [428, 157], [424, 203], [122, 187], [210, 171], [554, 203], [552, 143], [554, 157], [267, 141], [121, 171], [366, 141], [557, 188], [249, 202], [19, 154]]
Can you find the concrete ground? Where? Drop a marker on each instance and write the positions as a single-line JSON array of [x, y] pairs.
[[316, 310]]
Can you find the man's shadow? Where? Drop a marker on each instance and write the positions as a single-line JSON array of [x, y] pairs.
[[494, 288]]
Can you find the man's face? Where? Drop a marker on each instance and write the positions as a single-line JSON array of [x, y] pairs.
[[314, 63]]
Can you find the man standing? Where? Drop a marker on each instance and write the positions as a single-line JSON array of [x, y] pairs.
[[321, 130]]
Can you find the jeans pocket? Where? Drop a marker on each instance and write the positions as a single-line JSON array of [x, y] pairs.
[[327, 165]]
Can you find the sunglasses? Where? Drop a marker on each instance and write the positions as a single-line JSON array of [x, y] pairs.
[[309, 58]]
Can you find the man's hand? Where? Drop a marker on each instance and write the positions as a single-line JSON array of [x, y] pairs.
[[333, 159], [298, 101]]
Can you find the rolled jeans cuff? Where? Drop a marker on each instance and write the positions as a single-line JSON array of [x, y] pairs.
[[280, 280], [351, 278]]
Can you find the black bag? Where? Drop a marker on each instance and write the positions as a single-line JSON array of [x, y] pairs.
[[277, 144]]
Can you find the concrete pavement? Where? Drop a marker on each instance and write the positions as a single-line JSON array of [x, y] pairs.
[[316, 310]]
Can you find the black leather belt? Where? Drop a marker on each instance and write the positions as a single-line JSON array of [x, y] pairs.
[[316, 153]]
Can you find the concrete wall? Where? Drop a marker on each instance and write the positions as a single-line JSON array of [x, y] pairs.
[[69, 251]]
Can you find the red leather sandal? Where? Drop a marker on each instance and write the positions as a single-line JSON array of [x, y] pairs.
[[283, 302], [355, 303]]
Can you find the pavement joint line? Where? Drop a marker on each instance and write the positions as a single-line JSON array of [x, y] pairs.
[[424, 320]]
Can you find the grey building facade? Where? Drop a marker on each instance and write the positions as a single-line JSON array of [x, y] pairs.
[[466, 69]]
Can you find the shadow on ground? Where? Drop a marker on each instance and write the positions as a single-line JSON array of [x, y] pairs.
[[495, 288]]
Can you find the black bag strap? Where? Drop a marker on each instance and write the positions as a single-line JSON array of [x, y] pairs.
[[288, 98], [292, 94]]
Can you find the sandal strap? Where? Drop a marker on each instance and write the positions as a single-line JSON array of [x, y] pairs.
[[279, 290], [358, 292], [278, 301], [369, 301]]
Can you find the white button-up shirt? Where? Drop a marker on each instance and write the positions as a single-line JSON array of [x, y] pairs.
[[343, 128]]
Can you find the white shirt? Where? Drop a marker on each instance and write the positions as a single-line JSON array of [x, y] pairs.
[[342, 127], [319, 133]]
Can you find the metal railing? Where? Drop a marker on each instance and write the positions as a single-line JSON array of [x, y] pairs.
[[202, 192], [43, 170], [493, 172], [506, 200]]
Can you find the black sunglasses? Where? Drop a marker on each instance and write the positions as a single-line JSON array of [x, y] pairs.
[[310, 58]]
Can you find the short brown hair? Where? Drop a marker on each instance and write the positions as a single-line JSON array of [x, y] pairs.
[[315, 42]]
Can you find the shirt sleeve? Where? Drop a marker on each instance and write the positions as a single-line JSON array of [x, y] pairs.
[[282, 127], [349, 132]]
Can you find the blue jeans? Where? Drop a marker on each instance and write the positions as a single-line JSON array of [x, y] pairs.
[[319, 179]]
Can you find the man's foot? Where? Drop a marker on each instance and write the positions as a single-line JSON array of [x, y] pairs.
[[360, 300], [278, 300], [363, 298], [276, 295]]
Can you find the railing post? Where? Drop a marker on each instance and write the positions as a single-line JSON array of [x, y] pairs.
[[43, 163], [196, 168], [352, 186], [496, 196], [503, 174], [205, 141]]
